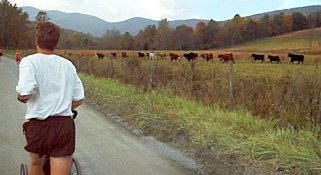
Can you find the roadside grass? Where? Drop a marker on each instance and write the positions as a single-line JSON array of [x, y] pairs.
[[188, 124]]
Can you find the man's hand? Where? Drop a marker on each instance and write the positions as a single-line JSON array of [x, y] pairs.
[[23, 98]]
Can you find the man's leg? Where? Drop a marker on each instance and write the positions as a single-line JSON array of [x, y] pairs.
[[60, 165], [36, 164]]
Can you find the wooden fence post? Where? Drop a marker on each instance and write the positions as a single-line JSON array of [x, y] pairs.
[[111, 66], [152, 80], [125, 64], [231, 81], [317, 78], [91, 67], [319, 116], [193, 70]]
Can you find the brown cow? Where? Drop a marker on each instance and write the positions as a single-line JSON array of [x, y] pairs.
[[124, 54], [174, 57], [226, 57], [162, 55], [207, 56]]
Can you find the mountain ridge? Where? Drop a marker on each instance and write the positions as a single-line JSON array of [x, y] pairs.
[[97, 27]]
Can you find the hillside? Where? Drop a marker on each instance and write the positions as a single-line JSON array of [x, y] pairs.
[[298, 42], [304, 10], [75, 21]]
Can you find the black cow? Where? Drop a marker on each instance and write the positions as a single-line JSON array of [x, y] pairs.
[[190, 56], [294, 57], [113, 54], [141, 55], [257, 57], [274, 59], [100, 55]]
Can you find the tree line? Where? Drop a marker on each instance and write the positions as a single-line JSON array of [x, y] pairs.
[[17, 31]]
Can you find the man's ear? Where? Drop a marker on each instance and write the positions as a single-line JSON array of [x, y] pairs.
[[36, 41]]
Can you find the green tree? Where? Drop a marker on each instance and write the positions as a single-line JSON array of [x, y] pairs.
[[210, 34], [127, 41], [219, 39], [200, 35], [286, 24], [42, 17], [252, 29], [77, 39], [276, 24], [299, 21], [111, 40], [183, 37], [235, 30], [265, 26], [163, 35], [145, 38], [13, 25]]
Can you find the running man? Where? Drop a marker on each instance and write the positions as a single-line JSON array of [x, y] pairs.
[[18, 57], [1, 53], [50, 87]]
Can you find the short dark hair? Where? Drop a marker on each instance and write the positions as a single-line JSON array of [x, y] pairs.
[[47, 35]]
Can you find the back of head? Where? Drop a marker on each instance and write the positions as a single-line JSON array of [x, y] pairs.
[[47, 35]]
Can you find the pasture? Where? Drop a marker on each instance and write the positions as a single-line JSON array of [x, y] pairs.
[[269, 128], [286, 92]]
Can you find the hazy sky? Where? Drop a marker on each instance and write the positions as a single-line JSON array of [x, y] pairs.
[[119, 10]]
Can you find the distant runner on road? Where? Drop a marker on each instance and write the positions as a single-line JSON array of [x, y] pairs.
[[1, 53], [18, 56]]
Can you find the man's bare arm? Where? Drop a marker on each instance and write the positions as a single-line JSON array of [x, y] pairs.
[[75, 104]]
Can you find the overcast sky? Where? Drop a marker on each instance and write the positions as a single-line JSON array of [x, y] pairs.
[[119, 10]]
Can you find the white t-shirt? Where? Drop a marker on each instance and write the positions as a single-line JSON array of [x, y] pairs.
[[53, 83]]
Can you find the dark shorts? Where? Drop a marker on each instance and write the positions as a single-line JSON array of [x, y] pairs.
[[54, 136]]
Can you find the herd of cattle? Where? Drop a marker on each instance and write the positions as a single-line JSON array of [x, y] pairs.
[[275, 58], [191, 56]]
